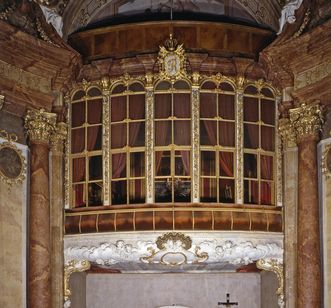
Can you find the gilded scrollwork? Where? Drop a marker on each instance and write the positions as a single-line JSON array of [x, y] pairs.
[[286, 133], [239, 146], [73, 266], [40, 125], [106, 144], [58, 137], [306, 120], [195, 143], [276, 266], [12, 161], [279, 159]]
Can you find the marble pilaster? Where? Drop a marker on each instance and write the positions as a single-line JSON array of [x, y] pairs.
[[306, 121], [40, 125], [56, 213]]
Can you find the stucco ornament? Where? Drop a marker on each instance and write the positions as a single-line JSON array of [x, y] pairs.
[[53, 18], [288, 13]]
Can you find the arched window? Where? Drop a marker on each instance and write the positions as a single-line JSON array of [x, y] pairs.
[[259, 146], [127, 144], [172, 114], [86, 148]]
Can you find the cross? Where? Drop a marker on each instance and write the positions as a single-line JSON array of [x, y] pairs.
[[227, 304]]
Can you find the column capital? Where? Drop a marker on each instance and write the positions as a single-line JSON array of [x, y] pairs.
[[40, 125], [58, 136], [306, 121], [286, 133]]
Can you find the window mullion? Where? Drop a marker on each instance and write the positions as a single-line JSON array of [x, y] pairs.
[[239, 198], [195, 141], [106, 146]]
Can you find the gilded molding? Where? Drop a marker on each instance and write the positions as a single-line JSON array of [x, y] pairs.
[[67, 147], [73, 266], [2, 101], [276, 266], [287, 133], [40, 125], [326, 161], [58, 137], [279, 162], [106, 145], [195, 143], [149, 144], [12, 161], [306, 120]]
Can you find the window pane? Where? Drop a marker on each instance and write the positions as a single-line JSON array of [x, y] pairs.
[[137, 191], [268, 111], [94, 111], [250, 165], [226, 190], [119, 89], [118, 108], [164, 85], [136, 87], [118, 165], [95, 168], [251, 109], [118, 136], [208, 163], [208, 190], [251, 136], [78, 95], [162, 106], [208, 132], [182, 132], [77, 140], [226, 106], [266, 193], [78, 195], [162, 133], [267, 138], [251, 192], [182, 105], [224, 86], [118, 192], [78, 114], [208, 105], [163, 190], [95, 194], [181, 85], [250, 90], [226, 163], [182, 163], [137, 106], [162, 163], [266, 167], [78, 169], [182, 189], [267, 92], [208, 85], [137, 164], [94, 92], [137, 134], [94, 138], [226, 134]]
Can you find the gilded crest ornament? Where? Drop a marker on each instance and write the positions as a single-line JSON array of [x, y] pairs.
[[12, 162], [172, 60]]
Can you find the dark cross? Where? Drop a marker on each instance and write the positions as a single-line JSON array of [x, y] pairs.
[[228, 304]]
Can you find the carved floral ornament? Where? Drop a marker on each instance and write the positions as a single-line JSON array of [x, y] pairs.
[[12, 162]]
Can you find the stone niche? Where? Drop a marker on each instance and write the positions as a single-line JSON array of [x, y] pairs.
[[193, 290]]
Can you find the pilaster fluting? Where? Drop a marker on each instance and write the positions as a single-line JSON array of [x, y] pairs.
[[306, 122], [56, 213], [40, 125]]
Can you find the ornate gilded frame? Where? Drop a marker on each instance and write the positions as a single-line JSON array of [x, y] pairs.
[[9, 145]]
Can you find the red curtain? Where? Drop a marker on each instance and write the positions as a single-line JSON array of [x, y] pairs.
[[266, 173]]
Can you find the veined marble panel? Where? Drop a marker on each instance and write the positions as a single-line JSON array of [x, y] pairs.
[[13, 204]]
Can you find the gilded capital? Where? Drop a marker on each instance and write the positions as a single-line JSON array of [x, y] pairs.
[[58, 136], [39, 125], [286, 133], [306, 121]]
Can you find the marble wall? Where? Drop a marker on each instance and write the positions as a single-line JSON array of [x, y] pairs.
[[13, 205], [154, 290], [325, 212]]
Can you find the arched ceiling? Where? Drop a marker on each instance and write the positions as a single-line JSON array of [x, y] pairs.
[[78, 14]]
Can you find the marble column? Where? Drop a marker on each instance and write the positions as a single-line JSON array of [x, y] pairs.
[[306, 121], [40, 125], [290, 180], [56, 213]]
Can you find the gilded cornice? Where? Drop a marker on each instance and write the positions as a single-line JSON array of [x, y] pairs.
[[40, 125], [286, 133], [306, 121], [57, 138]]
